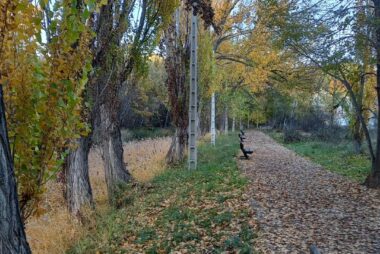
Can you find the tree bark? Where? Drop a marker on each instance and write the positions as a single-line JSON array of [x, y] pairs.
[[116, 172], [175, 65], [177, 148], [12, 234], [357, 136], [373, 180], [78, 188]]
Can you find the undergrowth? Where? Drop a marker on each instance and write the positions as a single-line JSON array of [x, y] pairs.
[[201, 211]]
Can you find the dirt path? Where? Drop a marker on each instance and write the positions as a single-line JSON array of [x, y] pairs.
[[298, 203]]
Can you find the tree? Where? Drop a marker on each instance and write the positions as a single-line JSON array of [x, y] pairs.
[[229, 26], [43, 89], [177, 65], [119, 47], [12, 234], [329, 43]]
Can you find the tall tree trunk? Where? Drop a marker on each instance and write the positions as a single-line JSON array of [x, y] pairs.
[[213, 127], [332, 112], [175, 65], [177, 148], [357, 136], [12, 234], [373, 180], [116, 172], [78, 188]]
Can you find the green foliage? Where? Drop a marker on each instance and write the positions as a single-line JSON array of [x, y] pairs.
[[182, 209], [206, 65]]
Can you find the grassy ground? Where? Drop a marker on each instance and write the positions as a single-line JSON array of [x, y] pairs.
[[55, 230], [180, 210], [337, 157]]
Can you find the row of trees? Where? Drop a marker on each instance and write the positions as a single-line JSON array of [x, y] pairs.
[[76, 71], [65, 65]]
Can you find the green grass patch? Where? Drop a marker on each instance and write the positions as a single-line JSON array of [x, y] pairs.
[[337, 157], [180, 210]]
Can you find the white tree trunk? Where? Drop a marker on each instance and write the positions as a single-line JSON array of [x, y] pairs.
[[193, 94], [213, 129]]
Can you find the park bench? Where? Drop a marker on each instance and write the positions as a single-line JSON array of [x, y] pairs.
[[246, 152], [242, 138]]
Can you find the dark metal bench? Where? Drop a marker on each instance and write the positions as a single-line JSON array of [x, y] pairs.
[[242, 138], [245, 152]]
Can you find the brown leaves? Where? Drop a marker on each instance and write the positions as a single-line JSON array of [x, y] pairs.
[[298, 203], [203, 8]]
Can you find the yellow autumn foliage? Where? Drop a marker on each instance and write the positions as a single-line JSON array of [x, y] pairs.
[[43, 84]]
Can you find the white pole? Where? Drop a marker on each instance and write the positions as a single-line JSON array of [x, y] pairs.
[[193, 93]]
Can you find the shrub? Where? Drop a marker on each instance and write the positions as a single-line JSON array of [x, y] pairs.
[[291, 136]]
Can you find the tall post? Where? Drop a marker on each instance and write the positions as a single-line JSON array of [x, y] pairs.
[[213, 129], [193, 91]]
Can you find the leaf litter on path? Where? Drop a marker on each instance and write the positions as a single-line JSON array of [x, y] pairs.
[[298, 204]]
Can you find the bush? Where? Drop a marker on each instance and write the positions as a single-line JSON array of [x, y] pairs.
[[330, 133], [291, 136]]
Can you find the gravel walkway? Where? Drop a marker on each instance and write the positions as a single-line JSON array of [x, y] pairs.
[[298, 203]]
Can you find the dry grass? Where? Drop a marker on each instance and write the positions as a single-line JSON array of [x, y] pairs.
[[146, 158], [56, 231]]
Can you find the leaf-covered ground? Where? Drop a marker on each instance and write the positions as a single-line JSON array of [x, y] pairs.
[[181, 211], [298, 203]]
